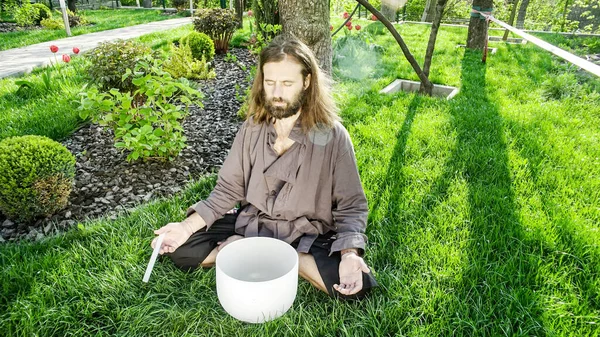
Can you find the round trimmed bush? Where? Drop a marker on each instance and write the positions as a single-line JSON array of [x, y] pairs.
[[201, 45], [36, 177]]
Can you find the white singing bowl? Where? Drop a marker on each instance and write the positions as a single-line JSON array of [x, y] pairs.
[[257, 278]]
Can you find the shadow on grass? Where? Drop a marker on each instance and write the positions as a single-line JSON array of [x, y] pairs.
[[495, 293]]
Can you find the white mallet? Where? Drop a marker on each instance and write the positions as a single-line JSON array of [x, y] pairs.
[[153, 258]]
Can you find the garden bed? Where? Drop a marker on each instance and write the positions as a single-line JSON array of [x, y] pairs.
[[106, 183]]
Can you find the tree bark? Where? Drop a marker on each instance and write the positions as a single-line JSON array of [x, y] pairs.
[[309, 21], [513, 11], [429, 11], [438, 11], [72, 5], [478, 26], [239, 11], [522, 14]]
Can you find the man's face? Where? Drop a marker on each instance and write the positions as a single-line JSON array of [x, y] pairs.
[[284, 88]]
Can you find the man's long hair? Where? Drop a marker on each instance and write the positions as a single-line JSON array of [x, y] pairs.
[[318, 107]]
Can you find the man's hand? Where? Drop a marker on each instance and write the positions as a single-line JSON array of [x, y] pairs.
[[351, 268], [177, 233]]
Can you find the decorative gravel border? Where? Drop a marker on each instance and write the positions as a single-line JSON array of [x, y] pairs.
[[106, 183]]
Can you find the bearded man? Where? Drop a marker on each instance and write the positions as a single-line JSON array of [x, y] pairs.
[[293, 172]]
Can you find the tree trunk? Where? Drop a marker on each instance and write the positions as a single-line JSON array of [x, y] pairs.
[[522, 14], [239, 11], [429, 11], [478, 26], [309, 21], [438, 11], [71, 4], [513, 11]]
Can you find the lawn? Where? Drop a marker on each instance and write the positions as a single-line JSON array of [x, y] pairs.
[[484, 217], [100, 20]]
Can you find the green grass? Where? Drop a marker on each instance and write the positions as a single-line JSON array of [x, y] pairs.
[[484, 216], [100, 20]]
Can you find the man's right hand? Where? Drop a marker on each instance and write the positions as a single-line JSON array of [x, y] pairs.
[[177, 233]]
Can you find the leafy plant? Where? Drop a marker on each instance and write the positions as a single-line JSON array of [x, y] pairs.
[[219, 24], [147, 121], [26, 15], [201, 45], [43, 12], [111, 60], [37, 177], [51, 23], [259, 41], [181, 64]]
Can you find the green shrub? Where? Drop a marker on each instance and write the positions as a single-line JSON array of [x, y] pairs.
[[182, 64], [217, 23], [26, 15], [76, 20], [146, 123], [201, 45], [110, 61], [51, 23], [37, 177], [43, 12], [560, 86]]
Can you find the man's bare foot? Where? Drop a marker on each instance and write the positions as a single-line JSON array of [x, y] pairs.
[[228, 241]]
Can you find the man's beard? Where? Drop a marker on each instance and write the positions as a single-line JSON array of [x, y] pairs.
[[290, 109]]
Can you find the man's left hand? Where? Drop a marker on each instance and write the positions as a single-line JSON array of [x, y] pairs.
[[351, 268]]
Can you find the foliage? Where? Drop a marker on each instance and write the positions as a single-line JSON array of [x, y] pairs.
[[26, 15], [200, 44], [76, 19], [265, 12], [181, 63], [111, 60], [259, 41], [147, 121], [52, 23], [43, 12], [217, 23], [37, 177]]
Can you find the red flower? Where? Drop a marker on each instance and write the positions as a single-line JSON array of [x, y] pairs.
[[357, 27], [346, 15], [373, 17], [349, 23], [250, 13], [76, 50], [53, 48], [66, 58], [330, 27], [349, 27]]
